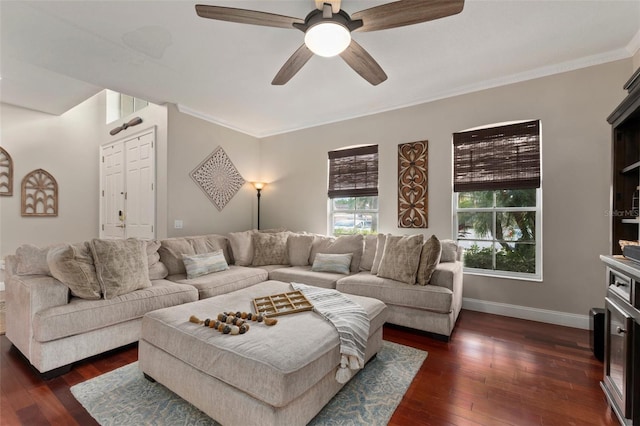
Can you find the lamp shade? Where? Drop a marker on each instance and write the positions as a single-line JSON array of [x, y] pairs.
[[258, 185], [327, 39]]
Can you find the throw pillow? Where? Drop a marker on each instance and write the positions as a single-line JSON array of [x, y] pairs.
[[32, 260], [210, 243], [343, 244], [198, 265], [429, 259], [121, 266], [242, 247], [270, 248], [299, 248], [379, 252], [157, 269], [171, 251], [337, 263], [401, 257], [369, 253], [449, 251], [72, 265]]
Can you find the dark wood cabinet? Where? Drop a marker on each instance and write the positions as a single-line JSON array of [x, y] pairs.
[[625, 206]]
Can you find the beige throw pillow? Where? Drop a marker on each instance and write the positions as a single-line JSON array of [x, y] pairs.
[[341, 245], [171, 251], [299, 248], [242, 247], [72, 265], [369, 253], [449, 251], [121, 266], [401, 258], [32, 260], [379, 252], [270, 248], [429, 259], [157, 269]]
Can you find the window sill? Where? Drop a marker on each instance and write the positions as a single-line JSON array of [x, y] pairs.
[[505, 275]]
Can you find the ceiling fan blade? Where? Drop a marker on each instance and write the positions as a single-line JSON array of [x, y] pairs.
[[363, 63], [406, 12], [292, 66], [244, 16]]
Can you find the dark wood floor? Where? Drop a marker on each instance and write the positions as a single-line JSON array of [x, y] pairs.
[[494, 371]]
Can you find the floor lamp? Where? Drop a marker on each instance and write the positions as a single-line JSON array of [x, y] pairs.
[[258, 186]]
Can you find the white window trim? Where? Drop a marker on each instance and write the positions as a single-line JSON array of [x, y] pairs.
[[332, 211], [537, 276]]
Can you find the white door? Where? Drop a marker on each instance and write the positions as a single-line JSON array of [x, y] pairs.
[[140, 191], [128, 187], [112, 200]]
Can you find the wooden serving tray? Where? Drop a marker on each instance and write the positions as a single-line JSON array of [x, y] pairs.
[[282, 304]]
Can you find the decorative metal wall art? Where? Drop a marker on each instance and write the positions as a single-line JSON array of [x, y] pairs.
[[133, 122], [413, 185], [6, 173], [39, 194], [218, 178]]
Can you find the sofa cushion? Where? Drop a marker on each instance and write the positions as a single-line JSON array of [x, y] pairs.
[[270, 248], [32, 260], [429, 259], [401, 258], [304, 274], [369, 252], [198, 265], [172, 249], [80, 315], [121, 265], [299, 248], [215, 284], [242, 247], [343, 244], [337, 263], [449, 251], [379, 252], [157, 269], [429, 297], [72, 265]]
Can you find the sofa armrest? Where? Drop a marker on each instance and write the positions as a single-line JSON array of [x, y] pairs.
[[27, 295], [449, 275], [10, 265]]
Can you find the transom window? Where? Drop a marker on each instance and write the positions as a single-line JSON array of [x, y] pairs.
[[498, 199]]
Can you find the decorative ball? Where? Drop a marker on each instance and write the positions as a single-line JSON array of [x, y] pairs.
[[206, 322], [226, 329]]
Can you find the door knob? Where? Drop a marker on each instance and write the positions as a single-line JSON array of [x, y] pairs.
[[620, 330]]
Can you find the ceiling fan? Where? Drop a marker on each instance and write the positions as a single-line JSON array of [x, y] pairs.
[[328, 30]]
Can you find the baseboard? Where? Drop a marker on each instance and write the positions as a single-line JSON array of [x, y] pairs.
[[525, 312]]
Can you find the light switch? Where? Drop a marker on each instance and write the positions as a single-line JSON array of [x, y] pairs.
[[177, 224]]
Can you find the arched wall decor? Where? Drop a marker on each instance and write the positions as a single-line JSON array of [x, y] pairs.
[[413, 185], [6, 173], [39, 194]]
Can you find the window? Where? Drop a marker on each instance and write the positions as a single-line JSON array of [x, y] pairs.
[[498, 199], [353, 190], [120, 105]]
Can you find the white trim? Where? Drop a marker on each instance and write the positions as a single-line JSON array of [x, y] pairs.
[[634, 44], [527, 313], [206, 117]]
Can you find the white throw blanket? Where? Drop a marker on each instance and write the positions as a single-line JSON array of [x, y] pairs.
[[349, 318]]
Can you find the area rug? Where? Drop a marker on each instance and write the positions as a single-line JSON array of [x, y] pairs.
[[125, 397]]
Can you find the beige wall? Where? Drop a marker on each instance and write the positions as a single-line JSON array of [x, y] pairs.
[[572, 107], [67, 146], [191, 141]]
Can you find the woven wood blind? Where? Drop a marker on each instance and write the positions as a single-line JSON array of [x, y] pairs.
[[353, 172], [504, 157]]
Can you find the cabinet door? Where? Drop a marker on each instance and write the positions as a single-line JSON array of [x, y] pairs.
[[617, 371]]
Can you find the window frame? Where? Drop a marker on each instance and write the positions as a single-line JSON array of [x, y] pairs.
[[332, 211], [537, 276]]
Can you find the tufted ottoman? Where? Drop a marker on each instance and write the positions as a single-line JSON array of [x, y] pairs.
[[276, 375]]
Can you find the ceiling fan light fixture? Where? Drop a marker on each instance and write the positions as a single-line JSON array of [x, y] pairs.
[[327, 39]]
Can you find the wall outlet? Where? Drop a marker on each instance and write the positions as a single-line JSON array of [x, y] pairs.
[[177, 224]]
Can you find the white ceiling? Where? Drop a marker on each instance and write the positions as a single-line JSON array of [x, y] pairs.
[[55, 54]]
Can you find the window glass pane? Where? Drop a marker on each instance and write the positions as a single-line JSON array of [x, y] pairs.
[[516, 226], [516, 257], [516, 198], [366, 203], [479, 199], [348, 203], [478, 254], [475, 226]]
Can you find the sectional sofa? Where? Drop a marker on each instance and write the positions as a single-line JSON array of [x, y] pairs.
[[71, 301]]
